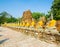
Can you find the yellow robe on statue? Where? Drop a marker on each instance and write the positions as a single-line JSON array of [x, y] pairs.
[[20, 24], [27, 24], [32, 24], [40, 24], [23, 24], [52, 23]]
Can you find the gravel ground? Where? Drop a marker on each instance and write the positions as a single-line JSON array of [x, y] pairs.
[[12, 38]]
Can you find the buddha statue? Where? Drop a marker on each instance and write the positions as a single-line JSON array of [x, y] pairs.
[[27, 24], [51, 27], [32, 24]]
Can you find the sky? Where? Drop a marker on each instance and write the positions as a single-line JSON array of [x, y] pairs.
[[17, 7]]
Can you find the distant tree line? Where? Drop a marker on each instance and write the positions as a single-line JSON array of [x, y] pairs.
[[6, 17], [37, 15]]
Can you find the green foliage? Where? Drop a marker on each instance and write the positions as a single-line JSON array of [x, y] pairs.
[[48, 15], [57, 17], [11, 20], [56, 9], [5, 17], [37, 15]]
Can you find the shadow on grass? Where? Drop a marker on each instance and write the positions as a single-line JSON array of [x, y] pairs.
[[2, 41], [1, 35]]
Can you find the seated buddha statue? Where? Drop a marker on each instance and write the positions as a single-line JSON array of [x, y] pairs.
[[23, 24], [20, 24], [5, 24], [51, 23], [27, 24], [51, 27], [40, 24], [32, 24]]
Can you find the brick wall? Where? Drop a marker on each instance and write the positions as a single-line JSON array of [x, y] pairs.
[[58, 25]]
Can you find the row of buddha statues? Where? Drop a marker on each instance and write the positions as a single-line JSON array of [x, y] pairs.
[[38, 24], [51, 23], [48, 26]]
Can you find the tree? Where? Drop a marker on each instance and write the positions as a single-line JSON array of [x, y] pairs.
[[3, 17], [6, 17], [48, 15], [37, 15], [11, 20], [56, 9]]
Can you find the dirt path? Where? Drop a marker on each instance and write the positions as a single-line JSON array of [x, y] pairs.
[[12, 38]]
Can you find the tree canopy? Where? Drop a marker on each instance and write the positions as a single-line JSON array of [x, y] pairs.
[[6, 17], [56, 9], [37, 15]]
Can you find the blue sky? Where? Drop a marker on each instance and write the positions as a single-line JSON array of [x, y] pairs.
[[17, 7]]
